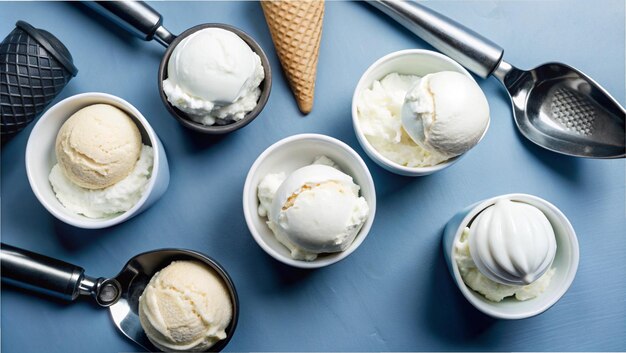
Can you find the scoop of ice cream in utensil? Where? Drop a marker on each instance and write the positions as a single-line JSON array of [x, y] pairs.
[[554, 105], [120, 293], [144, 22], [34, 67]]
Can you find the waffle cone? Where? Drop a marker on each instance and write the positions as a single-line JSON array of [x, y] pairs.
[[296, 29]]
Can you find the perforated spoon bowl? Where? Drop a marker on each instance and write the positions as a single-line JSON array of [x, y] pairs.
[[554, 105]]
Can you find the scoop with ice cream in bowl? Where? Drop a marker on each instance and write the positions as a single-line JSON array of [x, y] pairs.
[[512, 256], [172, 300], [94, 161], [309, 200], [213, 78], [416, 112]]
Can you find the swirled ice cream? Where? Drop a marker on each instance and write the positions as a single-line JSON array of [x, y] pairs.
[[507, 250]]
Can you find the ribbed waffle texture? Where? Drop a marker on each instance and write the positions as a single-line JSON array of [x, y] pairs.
[[296, 29], [29, 79]]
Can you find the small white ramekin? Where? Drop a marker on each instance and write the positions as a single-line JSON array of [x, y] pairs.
[[292, 153], [407, 62], [40, 158], [565, 261]]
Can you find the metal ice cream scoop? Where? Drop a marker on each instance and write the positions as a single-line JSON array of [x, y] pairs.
[[144, 22], [554, 105], [120, 293]]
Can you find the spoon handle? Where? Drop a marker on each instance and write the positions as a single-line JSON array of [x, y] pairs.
[[44, 274], [470, 49], [136, 17]]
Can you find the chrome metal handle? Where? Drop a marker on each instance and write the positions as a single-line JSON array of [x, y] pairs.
[[136, 17], [470, 49]]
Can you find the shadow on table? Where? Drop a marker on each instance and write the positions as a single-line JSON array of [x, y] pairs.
[[72, 238], [287, 275], [256, 21], [402, 31], [449, 315], [566, 167], [267, 273], [195, 141], [87, 302], [75, 239], [123, 37]]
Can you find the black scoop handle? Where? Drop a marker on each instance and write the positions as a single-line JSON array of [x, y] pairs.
[[41, 273], [136, 17]]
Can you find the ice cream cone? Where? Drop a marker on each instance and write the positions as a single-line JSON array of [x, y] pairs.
[[296, 29]]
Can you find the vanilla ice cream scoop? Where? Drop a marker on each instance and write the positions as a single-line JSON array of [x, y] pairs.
[[185, 307], [512, 243], [98, 146], [213, 74], [316, 209], [446, 113]]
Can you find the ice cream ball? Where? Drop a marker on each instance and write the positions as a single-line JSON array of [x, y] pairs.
[[314, 210], [185, 307], [214, 77], [445, 113], [98, 146]]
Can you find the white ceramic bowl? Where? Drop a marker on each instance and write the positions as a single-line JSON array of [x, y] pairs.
[[40, 158], [565, 261], [408, 62], [290, 154]]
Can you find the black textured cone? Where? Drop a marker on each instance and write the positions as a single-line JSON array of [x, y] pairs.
[[29, 79]]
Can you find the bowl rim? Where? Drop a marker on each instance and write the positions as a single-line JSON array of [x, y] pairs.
[[92, 223], [249, 188], [266, 84], [367, 146], [569, 235]]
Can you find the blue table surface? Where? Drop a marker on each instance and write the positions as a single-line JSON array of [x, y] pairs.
[[394, 293]]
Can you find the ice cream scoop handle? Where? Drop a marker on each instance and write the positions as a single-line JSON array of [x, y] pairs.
[[44, 274], [136, 17], [470, 49]]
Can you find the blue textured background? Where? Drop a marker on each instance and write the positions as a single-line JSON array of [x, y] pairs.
[[394, 293]]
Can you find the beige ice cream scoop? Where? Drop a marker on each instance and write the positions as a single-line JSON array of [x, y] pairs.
[[98, 146], [185, 307]]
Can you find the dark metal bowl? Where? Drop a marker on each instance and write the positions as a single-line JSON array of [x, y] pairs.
[[183, 118], [137, 274]]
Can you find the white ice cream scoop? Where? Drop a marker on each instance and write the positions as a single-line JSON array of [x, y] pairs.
[[512, 242], [214, 77], [317, 209], [212, 64], [446, 113]]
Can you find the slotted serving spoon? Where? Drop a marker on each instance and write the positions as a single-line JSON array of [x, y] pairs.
[[120, 293], [554, 105]]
